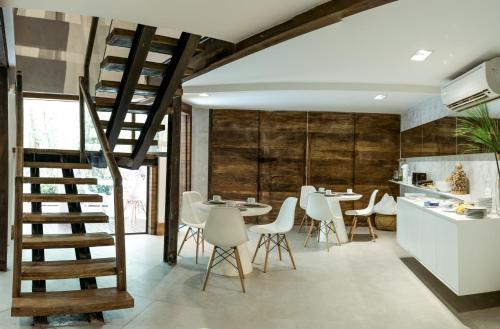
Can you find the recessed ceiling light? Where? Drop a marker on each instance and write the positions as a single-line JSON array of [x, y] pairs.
[[421, 55], [379, 97], [203, 95]]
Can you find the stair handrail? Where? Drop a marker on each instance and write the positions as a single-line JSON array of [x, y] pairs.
[[18, 210], [86, 99]]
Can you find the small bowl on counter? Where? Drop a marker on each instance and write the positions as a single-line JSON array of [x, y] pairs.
[[443, 186]]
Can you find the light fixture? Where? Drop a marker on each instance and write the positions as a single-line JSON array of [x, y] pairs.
[[379, 97], [421, 55], [203, 95]]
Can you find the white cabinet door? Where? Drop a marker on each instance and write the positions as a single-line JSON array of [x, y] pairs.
[[408, 226], [446, 267], [427, 239]]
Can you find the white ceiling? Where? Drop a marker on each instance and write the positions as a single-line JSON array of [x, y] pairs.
[[230, 20], [343, 66]]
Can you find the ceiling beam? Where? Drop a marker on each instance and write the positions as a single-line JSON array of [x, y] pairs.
[[218, 53]]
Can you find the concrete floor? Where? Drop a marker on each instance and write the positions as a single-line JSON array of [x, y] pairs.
[[358, 285]]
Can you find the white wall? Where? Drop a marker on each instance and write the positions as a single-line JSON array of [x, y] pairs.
[[199, 158]]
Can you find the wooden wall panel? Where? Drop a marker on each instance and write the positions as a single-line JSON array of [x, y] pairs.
[[376, 155], [411, 142], [439, 137], [234, 145], [346, 150], [282, 157], [331, 152]]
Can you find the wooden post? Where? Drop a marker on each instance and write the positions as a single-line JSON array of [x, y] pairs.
[[153, 199], [4, 163], [83, 158], [173, 175]]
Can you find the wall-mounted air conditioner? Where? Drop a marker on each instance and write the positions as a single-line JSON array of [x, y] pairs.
[[481, 84]]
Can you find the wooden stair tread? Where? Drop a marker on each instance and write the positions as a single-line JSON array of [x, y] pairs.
[[151, 69], [59, 180], [105, 104], [62, 218], [131, 141], [70, 302], [68, 269], [117, 64], [37, 197], [107, 86], [130, 125], [51, 241], [161, 44], [58, 165]]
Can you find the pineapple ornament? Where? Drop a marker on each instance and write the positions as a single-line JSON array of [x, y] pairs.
[[459, 181]]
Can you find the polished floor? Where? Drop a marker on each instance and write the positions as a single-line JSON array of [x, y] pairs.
[[357, 285]]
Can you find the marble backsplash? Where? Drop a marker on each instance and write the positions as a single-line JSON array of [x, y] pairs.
[[480, 169]]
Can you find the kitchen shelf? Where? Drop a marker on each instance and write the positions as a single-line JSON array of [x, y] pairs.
[[463, 197]]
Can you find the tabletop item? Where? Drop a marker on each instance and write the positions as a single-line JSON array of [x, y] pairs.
[[475, 212], [321, 190], [250, 200], [216, 197], [328, 192], [431, 203], [459, 181], [215, 202], [349, 191], [443, 186]]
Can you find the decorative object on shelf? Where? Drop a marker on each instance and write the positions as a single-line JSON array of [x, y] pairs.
[[482, 131], [459, 181]]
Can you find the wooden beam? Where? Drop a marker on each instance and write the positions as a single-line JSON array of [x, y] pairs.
[[4, 163], [136, 59], [173, 176], [171, 80], [218, 53], [4, 61]]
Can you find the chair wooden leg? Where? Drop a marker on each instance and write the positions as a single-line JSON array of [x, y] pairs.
[[309, 233], [326, 236], [353, 227], [268, 242], [370, 227], [289, 252], [257, 248], [336, 234], [240, 268], [304, 220], [209, 268], [202, 242], [183, 241], [279, 246], [197, 244], [319, 230]]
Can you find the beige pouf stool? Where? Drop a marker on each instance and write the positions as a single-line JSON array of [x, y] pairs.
[[385, 222]]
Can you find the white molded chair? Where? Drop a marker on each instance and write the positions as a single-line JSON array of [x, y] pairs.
[[189, 217], [366, 213], [319, 210], [276, 231], [304, 194], [225, 230]]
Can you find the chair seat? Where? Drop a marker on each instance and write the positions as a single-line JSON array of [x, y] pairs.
[[195, 225], [360, 212], [267, 229]]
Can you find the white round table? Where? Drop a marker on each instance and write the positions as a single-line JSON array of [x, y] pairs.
[[224, 268], [339, 221]]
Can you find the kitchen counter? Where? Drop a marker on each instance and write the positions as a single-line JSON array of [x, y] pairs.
[[434, 192], [461, 252]]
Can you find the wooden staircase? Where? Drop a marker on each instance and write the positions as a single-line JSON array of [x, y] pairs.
[[90, 299], [160, 95]]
